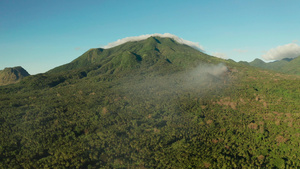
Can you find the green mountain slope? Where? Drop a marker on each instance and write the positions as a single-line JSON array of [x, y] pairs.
[[167, 106], [12, 75]]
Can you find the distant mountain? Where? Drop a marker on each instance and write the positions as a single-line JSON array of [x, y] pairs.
[[287, 65], [258, 63], [152, 54], [12, 75]]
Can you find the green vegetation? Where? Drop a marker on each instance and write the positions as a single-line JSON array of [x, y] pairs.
[[151, 110]]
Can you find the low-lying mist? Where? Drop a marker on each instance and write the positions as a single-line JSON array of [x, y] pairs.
[[196, 82]]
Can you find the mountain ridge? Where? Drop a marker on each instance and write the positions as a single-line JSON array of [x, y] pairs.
[[286, 65]]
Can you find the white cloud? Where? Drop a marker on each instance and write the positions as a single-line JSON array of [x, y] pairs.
[[220, 55], [165, 35], [290, 50]]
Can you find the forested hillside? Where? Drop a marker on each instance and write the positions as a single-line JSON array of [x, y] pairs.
[[167, 107]]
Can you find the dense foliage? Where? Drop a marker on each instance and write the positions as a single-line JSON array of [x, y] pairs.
[[94, 122], [161, 118]]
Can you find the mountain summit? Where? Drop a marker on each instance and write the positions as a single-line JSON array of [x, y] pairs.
[[144, 37], [153, 53]]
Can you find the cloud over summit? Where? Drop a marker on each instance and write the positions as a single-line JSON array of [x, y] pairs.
[[143, 37], [290, 50]]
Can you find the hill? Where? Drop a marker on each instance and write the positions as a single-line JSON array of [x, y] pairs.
[[290, 66], [166, 107], [12, 75]]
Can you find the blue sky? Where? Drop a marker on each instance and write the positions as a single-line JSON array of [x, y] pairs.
[[42, 34]]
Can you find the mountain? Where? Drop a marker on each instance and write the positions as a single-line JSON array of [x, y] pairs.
[[12, 75], [154, 53], [151, 104], [287, 65]]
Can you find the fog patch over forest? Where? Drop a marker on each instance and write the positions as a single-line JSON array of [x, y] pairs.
[[195, 82]]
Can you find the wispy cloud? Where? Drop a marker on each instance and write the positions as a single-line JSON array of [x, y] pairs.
[[165, 35], [290, 50], [220, 55]]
